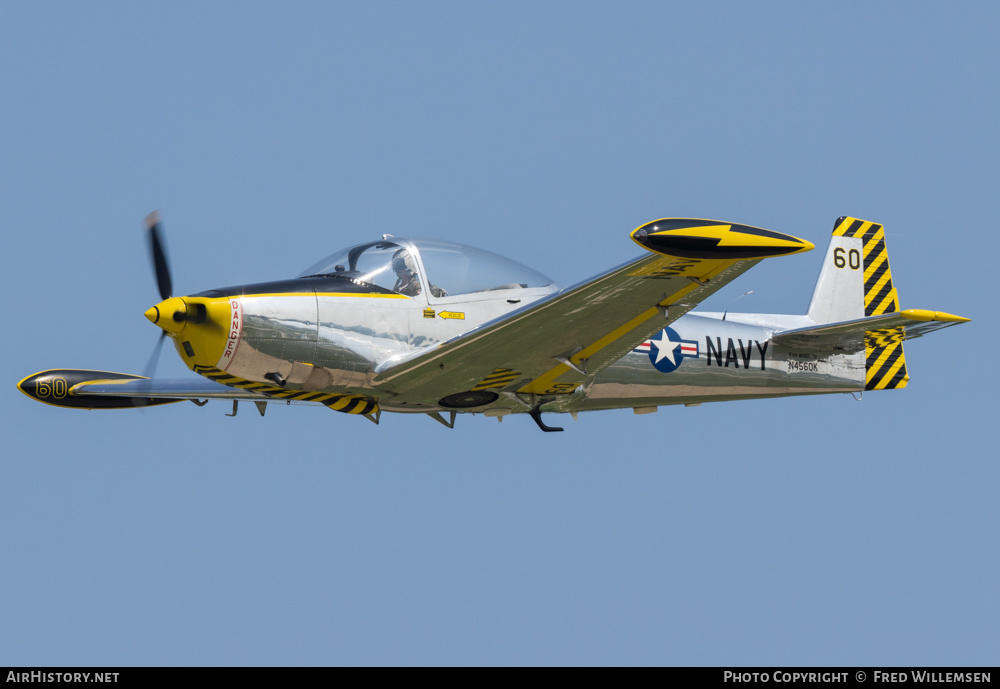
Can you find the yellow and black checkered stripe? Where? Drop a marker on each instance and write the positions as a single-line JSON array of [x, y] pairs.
[[348, 404], [885, 363], [880, 295], [499, 378], [885, 337]]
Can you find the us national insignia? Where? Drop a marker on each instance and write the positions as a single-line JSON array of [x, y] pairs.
[[667, 350]]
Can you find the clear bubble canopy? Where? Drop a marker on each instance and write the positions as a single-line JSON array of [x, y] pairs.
[[446, 268]]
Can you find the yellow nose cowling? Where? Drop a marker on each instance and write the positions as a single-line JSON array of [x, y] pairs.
[[170, 314], [198, 326]]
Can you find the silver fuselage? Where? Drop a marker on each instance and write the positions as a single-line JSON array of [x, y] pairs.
[[334, 343]]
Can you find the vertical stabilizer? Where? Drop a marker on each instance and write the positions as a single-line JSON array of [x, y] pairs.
[[855, 282]]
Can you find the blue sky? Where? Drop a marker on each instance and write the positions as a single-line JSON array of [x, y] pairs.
[[788, 532]]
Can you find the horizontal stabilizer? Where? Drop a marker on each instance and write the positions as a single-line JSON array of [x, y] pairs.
[[851, 335]]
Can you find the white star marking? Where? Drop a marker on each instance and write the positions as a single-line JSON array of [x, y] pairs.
[[665, 348]]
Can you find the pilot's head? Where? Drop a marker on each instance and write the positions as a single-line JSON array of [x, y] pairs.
[[407, 282], [402, 263]]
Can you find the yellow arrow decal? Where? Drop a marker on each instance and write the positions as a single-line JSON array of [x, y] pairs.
[[452, 314]]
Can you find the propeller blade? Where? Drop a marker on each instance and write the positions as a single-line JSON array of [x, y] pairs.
[[154, 360], [159, 256], [150, 370]]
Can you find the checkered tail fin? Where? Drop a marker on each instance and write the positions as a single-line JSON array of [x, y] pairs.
[[855, 282]]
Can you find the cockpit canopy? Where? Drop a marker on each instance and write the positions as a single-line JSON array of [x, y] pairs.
[[443, 268]]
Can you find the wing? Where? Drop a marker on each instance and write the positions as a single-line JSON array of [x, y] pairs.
[[86, 389], [553, 345]]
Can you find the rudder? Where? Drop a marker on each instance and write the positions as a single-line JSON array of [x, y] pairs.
[[856, 282], [885, 364], [880, 295]]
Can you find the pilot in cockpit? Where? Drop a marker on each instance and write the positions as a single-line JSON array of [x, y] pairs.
[[407, 282]]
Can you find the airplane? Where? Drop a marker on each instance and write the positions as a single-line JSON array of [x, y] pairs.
[[438, 328]]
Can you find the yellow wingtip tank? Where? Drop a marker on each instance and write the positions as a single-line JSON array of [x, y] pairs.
[[698, 238], [66, 387]]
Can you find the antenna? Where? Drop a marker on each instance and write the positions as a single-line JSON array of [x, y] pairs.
[[734, 301]]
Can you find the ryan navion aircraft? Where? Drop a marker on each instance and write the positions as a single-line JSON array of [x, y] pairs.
[[437, 328]]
